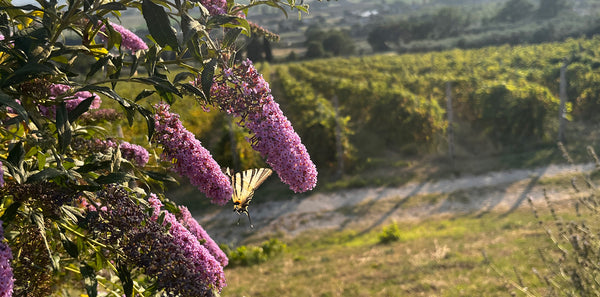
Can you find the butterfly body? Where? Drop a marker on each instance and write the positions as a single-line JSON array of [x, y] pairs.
[[244, 184]]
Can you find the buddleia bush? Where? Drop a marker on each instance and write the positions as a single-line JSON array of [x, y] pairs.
[[82, 208]]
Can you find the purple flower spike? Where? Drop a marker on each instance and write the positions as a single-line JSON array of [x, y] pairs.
[[189, 158], [243, 92], [191, 224], [6, 274], [57, 90], [135, 153], [204, 263], [128, 39], [215, 7]]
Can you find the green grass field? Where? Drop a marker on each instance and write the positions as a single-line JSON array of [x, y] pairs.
[[436, 257]]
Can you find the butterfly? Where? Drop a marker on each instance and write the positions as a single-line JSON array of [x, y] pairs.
[[244, 183]]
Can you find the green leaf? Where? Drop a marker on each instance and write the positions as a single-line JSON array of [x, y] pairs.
[[89, 279], [46, 174], [81, 108], [69, 246], [63, 128], [41, 160], [206, 78], [220, 19], [107, 92], [103, 165], [15, 154], [183, 75], [9, 214], [6, 100], [149, 116], [190, 28], [159, 83], [38, 219], [192, 89], [158, 24], [143, 94], [112, 6], [112, 178], [28, 71], [96, 67], [125, 277], [135, 63], [231, 36], [159, 176]]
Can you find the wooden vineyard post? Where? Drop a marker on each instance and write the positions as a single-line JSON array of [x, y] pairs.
[[562, 112], [450, 116], [338, 139]]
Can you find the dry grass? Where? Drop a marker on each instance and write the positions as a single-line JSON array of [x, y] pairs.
[[437, 257]]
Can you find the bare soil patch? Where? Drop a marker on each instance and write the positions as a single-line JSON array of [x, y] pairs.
[[368, 208]]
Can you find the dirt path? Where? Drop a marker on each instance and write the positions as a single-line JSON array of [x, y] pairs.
[[368, 208]]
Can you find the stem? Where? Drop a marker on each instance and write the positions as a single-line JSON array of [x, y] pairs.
[[78, 234]]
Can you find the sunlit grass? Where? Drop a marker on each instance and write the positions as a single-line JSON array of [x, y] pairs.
[[434, 257]]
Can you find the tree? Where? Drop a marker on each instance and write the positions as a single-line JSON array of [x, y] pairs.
[[83, 206], [514, 11], [551, 8]]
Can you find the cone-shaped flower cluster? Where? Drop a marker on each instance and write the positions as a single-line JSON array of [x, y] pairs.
[[56, 90], [134, 153], [243, 92], [189, 158], [205, 265], [176, 259], [215, 7], [191, 224], [6, 274], [128, 39]]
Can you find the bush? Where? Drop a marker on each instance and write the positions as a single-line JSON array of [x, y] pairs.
[[252, 255], [390, 233]]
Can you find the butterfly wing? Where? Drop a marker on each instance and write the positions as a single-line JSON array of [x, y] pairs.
[[244, 184]]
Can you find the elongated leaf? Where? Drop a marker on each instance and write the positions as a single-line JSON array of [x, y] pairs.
[[134, 64], [107, 92], [159, 176], [190, 27], [158, 24], [10, 213], [112, 6], [149, 116], [6, 100], [15, 154], [112, 178], [192, 89], [231, 36], [38, 220], [46, 174], [97, 66], [183, 75], [81, 108], [27, 72], [143, 94], [63, 127], [125, 277], [220, 19], [159, 83], [69, 246], [89, 279], [104, 165], [206, 78]]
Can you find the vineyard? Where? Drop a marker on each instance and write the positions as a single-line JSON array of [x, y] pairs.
[[503, 99]]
